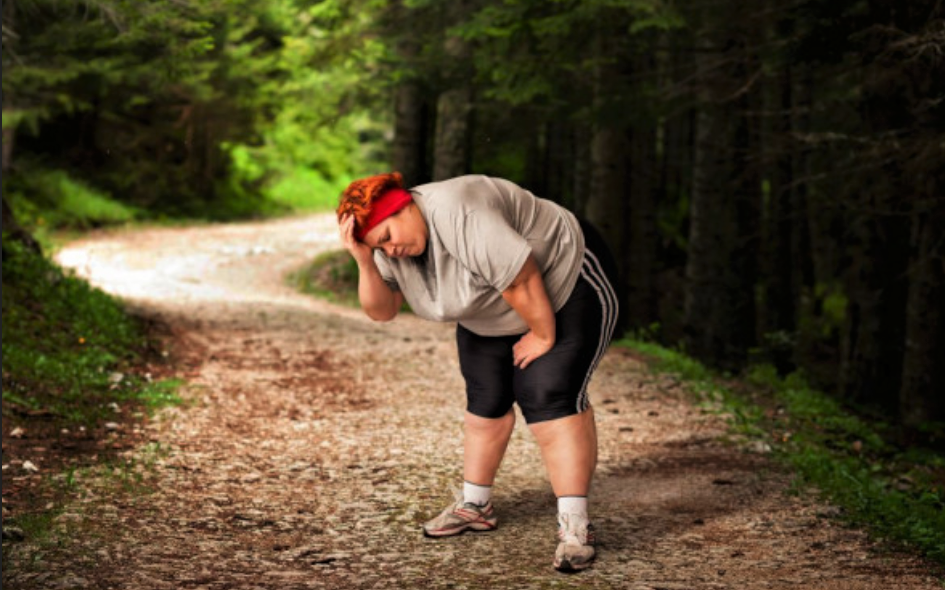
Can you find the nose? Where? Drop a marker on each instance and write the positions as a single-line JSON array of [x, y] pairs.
[[389, 250]]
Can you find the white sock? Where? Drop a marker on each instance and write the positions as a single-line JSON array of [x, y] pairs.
[[573, 505], [475, 494]]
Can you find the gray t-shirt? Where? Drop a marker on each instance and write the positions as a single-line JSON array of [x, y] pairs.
[[482, 230]]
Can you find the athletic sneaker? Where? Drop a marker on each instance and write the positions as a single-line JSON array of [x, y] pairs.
[[460, 517], [575, 543]]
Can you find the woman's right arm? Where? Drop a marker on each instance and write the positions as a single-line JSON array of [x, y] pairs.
[[379, 302]]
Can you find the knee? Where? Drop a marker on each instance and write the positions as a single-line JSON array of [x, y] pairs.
[[488, 407], [490, 426], [576, 427]]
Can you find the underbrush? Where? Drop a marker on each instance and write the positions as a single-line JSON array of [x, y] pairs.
[[76, 382], [69, 350], [51, 204], [332, 275], [873, 472]]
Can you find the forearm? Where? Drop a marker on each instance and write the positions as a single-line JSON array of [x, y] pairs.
[[377, 299], [528, 297]]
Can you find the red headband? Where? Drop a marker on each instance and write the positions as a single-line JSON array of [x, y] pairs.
[[389, 202]]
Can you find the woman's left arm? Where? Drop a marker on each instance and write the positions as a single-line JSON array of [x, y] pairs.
[[528, 298]]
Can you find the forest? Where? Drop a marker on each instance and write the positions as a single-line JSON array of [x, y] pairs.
[[771, 175]]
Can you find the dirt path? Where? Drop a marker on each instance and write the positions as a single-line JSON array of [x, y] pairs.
[[317, 442]]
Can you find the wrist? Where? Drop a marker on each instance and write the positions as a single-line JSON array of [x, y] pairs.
[[365, 261], [544, 336]]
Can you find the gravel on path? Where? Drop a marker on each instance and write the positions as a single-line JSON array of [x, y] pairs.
[[315, 442]]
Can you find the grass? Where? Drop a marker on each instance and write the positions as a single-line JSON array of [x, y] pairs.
[[55, 205], [71, 357], [894, 490], [69, 349], [331, 275], [44, 201]]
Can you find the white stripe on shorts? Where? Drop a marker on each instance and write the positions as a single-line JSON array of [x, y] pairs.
[[593, 273]]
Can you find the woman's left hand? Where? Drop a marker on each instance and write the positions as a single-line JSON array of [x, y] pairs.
[[527, 296], [529, 348]]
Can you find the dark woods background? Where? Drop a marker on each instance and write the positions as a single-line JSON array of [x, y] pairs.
[[769, 173]]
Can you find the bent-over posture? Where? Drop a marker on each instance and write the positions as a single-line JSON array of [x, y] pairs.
[[530, 289]]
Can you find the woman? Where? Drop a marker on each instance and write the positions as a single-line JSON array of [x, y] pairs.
[[535, 311]]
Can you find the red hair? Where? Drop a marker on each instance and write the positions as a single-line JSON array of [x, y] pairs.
[[358, 199]]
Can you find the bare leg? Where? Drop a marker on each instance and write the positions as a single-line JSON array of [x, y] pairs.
[[484, 446], [569, 449]]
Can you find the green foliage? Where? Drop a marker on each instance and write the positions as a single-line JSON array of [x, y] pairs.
[[332, 275], [834, 305], [48, 200], [304, 189], [896, 491], [67, 347], [194, 109], [539, 52], [670, 361]]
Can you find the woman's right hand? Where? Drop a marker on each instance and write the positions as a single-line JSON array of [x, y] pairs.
[[361, 252], [378, 300]]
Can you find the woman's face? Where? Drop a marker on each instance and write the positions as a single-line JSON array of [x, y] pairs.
[[401, 235]]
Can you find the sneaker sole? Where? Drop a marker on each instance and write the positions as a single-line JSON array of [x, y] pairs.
[[476, 527], [568, 568]]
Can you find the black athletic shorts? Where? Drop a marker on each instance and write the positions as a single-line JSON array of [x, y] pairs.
[[554, 385]]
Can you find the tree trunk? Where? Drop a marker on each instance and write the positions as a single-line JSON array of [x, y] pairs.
[[778, 316], [454, 106], [674, 192], [581, 175], [605, 207], [7, 219], [410, 133], [874, 331], [803, 276], [536, 155], [709, 222], [11, 227], [723, 241], [411, 108], [883, 201], [921, 398], [673, 196], [642, 239], [451, 155], [559, 162]]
